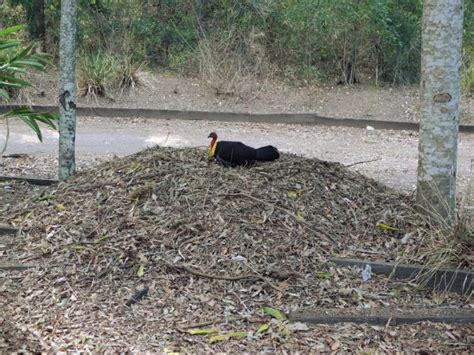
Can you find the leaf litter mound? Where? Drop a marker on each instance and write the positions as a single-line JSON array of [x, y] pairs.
[[210, 243]]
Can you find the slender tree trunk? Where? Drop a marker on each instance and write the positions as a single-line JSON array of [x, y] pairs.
[[35, 17], [440, 90], [67, 94]]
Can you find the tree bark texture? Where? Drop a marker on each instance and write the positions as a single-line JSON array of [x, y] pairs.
[[35, 17], [440, 90], [67, 93]]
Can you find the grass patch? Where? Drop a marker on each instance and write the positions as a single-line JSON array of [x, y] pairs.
[[131, 75], [467, 72], [467, 80], [102, 74], [96, 74]]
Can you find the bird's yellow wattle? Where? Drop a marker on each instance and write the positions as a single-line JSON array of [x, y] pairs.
[[211, 150]]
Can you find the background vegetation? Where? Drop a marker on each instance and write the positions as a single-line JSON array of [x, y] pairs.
[[226, 41]]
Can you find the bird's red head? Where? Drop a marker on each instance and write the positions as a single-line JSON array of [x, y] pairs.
[[212, 147]]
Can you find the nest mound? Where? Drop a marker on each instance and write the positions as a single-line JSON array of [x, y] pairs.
[[172, 204], [209, 241]]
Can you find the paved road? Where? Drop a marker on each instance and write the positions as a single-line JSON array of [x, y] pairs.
[[396, 150]]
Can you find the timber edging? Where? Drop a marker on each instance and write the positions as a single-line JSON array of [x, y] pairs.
[[15, 267], [384, 316], [6, 229], [286, 118], [30, 179], [450, 280]]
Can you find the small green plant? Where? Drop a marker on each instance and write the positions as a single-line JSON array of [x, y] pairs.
[[183, 62], [97, 73], [467, 79], [442, 243], [131, 75], [15, 61], [12, 13]]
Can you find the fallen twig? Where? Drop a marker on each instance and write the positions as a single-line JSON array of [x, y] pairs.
[[137, 296], [362, 162], [222, 277], [15, 267]]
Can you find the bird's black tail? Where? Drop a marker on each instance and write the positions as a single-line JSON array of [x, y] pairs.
[[267, 153]]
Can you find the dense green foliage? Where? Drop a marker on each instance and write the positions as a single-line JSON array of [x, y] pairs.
[[467, 78], [375, 41]]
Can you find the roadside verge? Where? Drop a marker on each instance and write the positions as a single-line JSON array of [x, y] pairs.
[[287, 118]]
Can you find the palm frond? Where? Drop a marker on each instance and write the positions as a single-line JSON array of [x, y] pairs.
[[31, 118], [14, 62]]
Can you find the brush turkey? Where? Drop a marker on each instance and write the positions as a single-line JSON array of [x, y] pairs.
[[238, 154]]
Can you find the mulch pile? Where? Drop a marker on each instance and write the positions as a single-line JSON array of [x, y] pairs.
[[212, 245], [38, 166]]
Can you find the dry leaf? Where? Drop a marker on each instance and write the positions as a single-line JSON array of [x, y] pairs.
[[275, 313], [141, 271], [298, 326], [283, 286], [206, 331], [300, 216], [386, 228], [227, 336], [60, 207], [264, 328]]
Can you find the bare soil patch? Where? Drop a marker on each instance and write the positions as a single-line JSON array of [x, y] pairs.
[[187, 93]]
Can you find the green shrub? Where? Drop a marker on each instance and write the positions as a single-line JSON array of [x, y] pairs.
[[11, 14], [377, 41], [130, 74], [97, 73], [467, 72], [467, 80], [183, 62]]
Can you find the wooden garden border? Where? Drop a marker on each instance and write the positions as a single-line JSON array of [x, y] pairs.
[[31, 179], [384, 316], [15, 267], [5, 229], [288, 118], [452, 280]]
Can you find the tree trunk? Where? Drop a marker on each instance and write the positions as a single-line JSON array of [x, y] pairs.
[[440, 92], [67, 94], [35, 18]]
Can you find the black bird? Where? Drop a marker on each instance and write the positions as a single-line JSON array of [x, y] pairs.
[[238, 154]]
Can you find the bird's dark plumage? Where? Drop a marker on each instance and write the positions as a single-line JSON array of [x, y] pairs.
[[238, 154]]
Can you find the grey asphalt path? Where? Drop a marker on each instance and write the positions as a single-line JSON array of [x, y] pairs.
[[396, 151]]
